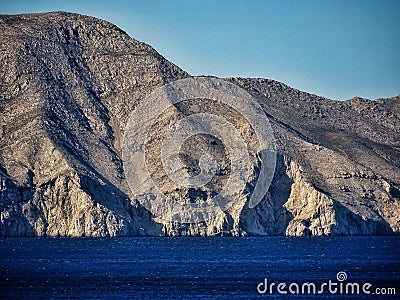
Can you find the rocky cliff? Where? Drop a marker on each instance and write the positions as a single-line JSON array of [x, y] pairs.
[[68, 84]]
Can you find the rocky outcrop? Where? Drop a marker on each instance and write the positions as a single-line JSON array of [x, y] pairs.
[[68, 84]]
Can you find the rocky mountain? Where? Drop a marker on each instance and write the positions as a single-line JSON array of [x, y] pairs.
[[68, 84]]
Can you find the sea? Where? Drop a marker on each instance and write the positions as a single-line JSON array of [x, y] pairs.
[[200, 268]]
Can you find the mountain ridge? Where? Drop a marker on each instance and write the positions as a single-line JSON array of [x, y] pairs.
[[61, 168]]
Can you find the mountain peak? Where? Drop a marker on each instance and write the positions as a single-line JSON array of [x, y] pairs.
[[68, 86]]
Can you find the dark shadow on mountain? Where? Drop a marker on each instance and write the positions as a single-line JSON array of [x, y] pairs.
[[12, 198], [349, 223], [270, 217]]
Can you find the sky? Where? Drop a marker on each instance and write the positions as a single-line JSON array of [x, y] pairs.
[[337, 49]]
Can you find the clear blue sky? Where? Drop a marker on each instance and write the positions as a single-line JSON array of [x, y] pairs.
[[337, 49]]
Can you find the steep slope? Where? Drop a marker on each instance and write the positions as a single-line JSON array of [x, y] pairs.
[[67, 87], [68, 84]]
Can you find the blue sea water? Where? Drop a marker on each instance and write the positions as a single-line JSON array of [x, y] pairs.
[[192, 268]]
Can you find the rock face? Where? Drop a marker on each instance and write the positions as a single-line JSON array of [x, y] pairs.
[[68, 84]]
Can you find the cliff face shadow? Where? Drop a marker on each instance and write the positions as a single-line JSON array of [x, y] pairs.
[[270, 217], [349, 223], [12, 198]]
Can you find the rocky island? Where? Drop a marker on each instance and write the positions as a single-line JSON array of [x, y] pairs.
[[68, 84]]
